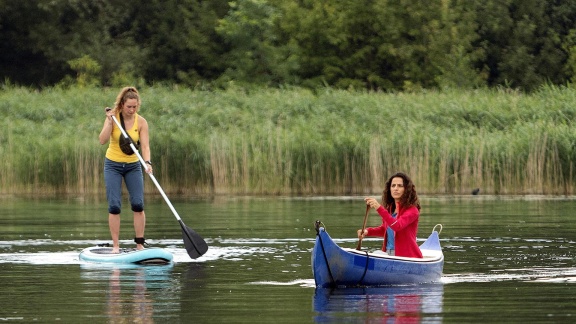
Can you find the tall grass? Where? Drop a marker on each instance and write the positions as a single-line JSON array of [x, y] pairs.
[[294, 141]]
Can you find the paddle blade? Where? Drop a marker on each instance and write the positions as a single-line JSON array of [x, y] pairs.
[[194, 243]]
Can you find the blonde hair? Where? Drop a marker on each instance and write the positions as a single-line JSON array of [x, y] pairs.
[[125, 94]]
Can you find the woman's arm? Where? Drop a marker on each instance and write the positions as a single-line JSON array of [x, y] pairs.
[[144, 141], [376, 231], [403, 219], [106, 131]]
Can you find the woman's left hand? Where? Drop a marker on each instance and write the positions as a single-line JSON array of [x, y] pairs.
[[372, 203], [148, 168]]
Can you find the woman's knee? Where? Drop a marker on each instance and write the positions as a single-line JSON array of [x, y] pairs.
[[138, 207], [114, 210]]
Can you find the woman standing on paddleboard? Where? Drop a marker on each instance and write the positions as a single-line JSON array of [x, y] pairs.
[[121, 163]]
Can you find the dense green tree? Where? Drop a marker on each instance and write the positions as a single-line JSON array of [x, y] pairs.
[[180, 40], [368, 44], [569, 45], [379, 44], [316, 28], [170, 41], [523, 40], [21, 61], [458, 61], [257, 54], [562, 19], [46, 35]]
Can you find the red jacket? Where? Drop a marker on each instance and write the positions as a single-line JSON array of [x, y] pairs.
[[405, 227]]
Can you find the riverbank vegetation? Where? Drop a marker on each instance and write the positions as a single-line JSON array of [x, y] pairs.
[[297, 141]]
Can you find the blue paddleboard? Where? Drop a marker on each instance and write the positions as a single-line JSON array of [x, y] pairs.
[[147, 256]]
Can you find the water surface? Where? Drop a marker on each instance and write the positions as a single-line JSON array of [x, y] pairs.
[[508, 259]]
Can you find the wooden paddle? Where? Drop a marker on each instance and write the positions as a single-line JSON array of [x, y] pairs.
[[359, 247], [194, 243]]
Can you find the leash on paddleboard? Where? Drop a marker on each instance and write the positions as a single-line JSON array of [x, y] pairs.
[[317, 227]]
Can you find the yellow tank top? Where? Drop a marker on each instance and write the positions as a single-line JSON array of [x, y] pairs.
[[114, 153]]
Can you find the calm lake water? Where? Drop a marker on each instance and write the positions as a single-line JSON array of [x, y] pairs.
[[508, 259]]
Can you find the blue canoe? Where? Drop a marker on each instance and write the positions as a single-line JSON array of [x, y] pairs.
[[126, 256], [335, 266]]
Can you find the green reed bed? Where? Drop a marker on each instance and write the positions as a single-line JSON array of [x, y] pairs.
[[294, 141]]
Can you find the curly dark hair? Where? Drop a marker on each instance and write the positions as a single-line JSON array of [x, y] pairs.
[[409, 198]]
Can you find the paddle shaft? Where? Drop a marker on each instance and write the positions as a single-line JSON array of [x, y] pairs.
[[359, 247]]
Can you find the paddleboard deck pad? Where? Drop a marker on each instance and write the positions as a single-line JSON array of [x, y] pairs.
[[147, 256]]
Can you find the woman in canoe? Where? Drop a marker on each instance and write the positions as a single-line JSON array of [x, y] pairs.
[[400, 212]]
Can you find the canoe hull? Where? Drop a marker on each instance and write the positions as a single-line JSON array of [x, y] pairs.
[[126, 256], [334, 266]]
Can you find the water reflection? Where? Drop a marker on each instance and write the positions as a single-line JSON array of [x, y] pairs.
[[405, 304], [194, 276], [129, 293]]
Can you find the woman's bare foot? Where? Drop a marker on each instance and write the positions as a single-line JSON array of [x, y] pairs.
[[139, 247], [115, 250]]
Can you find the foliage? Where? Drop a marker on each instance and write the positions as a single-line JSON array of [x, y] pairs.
[[379, 45], [295, 141], [86, 69]]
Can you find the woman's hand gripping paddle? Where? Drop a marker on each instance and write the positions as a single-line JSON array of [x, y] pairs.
[[359, 247], [194, 243]]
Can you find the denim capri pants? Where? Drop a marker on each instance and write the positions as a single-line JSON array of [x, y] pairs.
[[134, 179]]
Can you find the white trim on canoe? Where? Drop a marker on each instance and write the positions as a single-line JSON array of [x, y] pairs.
[[427, 255]]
